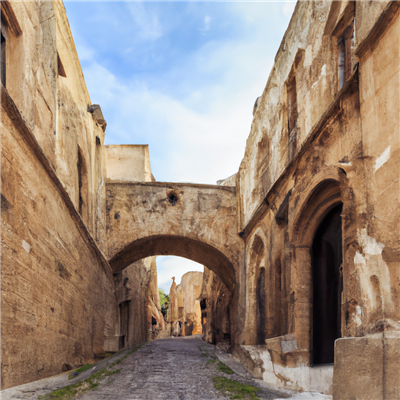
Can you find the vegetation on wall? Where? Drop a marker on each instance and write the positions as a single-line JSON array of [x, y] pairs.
[[164, 301]]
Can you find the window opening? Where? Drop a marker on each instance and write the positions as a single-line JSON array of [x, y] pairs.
[[344, 48], [60, 67]]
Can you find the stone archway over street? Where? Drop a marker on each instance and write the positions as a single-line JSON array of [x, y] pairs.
[[198, 222]]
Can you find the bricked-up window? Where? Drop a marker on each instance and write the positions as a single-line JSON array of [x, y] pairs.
[[2, 54], [344, 49], [292, 116]]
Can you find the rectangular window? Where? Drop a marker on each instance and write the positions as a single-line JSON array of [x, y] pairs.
[[344, 50]]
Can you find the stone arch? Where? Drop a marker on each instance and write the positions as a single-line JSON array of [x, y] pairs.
[[322, 197], [170, 245], [256, 303]]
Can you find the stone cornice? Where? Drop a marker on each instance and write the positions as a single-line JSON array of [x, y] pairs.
[[172, 185]]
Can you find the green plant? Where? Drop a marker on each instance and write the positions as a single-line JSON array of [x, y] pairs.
[[79, 370], [211, 360], [71, 391], [224, 368], [235, 389], [164, 302]]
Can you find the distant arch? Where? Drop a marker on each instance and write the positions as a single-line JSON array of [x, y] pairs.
[[169, 245]]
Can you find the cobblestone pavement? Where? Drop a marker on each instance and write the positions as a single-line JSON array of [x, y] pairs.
[[173, 369], [168, 369]]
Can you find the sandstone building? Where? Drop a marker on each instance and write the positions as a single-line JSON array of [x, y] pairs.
[[303, 240], [184, 314]]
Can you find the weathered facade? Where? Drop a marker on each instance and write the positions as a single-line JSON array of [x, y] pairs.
[[303, 240], [184, 314], [215, 299], [319, 185]]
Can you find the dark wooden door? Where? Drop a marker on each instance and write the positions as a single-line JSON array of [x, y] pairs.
[[327, 286], [261, 317], [124, 323]]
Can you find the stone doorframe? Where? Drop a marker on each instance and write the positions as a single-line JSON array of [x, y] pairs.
[[325, 192]]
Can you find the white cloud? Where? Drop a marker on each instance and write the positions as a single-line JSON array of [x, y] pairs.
[[206, 27], [203, 134], [167, 267], [196, 115], [148, 24]]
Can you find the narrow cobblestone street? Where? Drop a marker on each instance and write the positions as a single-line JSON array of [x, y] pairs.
[[168, 369], [178, 368]]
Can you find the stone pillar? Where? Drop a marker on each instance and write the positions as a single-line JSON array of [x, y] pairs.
[[367, 368]]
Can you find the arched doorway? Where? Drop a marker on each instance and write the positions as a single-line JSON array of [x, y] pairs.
[[326, 252]]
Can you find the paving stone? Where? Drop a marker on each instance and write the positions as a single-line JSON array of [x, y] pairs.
[[168, 369]]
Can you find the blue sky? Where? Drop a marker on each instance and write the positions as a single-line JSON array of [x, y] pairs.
[[181, 77]]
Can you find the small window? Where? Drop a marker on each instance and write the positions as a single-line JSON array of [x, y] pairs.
[[344, 50], [60, 67]]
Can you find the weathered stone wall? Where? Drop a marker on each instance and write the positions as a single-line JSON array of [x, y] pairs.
[[324, 136], [57, 294], [31, 70], [343, 150], [187, 220], [79, 148], [131, 287], [175, 315], [128, 163], [58, 302], [214, 301], [136, 285], [55, 107], [155, 318], [191, 283], [184, 314]]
